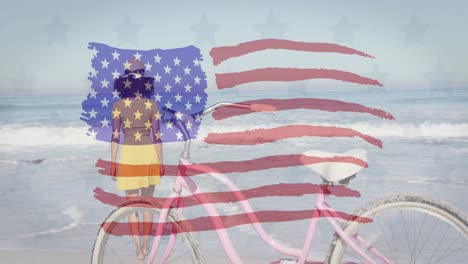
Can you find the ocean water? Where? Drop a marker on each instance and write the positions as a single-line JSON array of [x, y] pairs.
[[49, 174]]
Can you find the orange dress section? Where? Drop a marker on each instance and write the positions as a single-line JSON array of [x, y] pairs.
[[137, 121]]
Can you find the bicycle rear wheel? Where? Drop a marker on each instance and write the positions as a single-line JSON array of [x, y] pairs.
[[112, 247], [406, 229]]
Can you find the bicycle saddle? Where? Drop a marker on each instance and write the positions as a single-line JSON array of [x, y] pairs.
[[336, 171]]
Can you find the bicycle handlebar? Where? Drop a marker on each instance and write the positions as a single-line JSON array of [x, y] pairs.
[[252, 107]]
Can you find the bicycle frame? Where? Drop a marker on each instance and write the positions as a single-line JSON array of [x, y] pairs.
[[183, 181]]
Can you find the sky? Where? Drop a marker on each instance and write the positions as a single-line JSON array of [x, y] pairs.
[[416, 44]]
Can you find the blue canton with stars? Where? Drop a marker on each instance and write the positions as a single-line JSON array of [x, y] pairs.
[[179, 88]]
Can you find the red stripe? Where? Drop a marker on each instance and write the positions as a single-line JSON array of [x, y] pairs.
[[229, 80], [209, 223], [262, 135], [302, 103], [281, 189], [263, 163], [220, 54]]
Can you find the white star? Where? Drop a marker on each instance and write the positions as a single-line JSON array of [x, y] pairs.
[[167, 69], [105, 83], [197, 99], [168, 105], [105, 102], [344, 30], [189, 125], [22, 82], [105, 63], [187, 70], [127, 83], [179, 115], [157, 78], [414, 31], [56, 30], [138, 94], [167, 87], [92, 94], [376, 74], [95, 51], [198, 118], [177, 79], [196, 62], [157, 59], [169, 124], [158, 97], [188, 106], [441, 77], [93, 134], [105, 122], [92, 113], [179, 135], [127, 65], [159, 135], [272, 27], [148, 66], [204, 30], [176, 61], [148, 85], [115, 74], [115, 94], [115, 55], [137, 56], [178, 97], [187, 88], [197, 79], [127, 31], [93, 72]]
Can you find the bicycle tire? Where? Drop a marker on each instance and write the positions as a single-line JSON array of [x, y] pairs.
[[98, 252], [452, 217]]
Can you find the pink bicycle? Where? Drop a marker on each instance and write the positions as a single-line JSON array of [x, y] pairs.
[[404, 228]]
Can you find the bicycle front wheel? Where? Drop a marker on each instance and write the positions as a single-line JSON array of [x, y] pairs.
[[113, 245], [405, 229]]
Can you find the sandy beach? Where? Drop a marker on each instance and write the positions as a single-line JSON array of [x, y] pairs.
[[70, 257], [38, 256]]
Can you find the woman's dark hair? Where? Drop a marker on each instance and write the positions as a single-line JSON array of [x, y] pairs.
[[134, 83]]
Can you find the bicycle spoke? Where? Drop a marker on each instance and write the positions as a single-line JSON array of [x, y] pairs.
[[387, 241], [405, 231], [178, 257], [419, 234], [427, 239], [450, 253], [391, 228], [438, 245], [180, 243], [414, 239]]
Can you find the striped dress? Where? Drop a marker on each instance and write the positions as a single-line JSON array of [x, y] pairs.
[[137, 121]]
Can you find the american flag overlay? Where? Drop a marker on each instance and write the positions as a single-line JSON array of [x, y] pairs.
[[179, 88], [265, 136]]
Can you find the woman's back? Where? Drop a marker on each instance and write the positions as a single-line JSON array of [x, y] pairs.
[[137, 118]]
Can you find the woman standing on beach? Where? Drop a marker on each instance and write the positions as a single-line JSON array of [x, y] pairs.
[[135, 117]]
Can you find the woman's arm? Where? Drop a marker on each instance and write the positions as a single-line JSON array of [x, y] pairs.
[[115, 138], [114, 150], [156, 133]]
